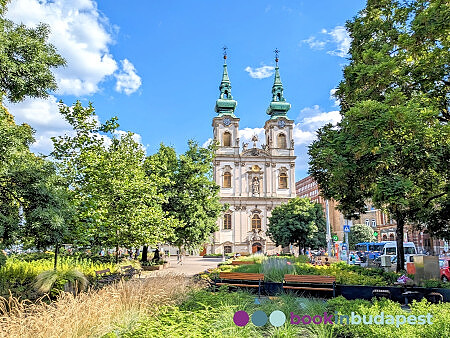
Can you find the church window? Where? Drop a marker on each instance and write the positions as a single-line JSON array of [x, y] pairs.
[[283, 181], [256, 223], [227, 180], [227, 249], [227, 222], [282, 141], [226, 139]]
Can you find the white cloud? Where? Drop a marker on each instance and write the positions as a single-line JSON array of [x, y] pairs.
[[337, 38], [207, 143], [42, 115], [314, 43], [127, 80], [342, 39], [261, 72], [80, 34], [334, 98]]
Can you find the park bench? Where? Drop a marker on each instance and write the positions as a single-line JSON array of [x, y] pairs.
[[241, 279], [129, 271], [242, 262], [105, 276], [310, 282]]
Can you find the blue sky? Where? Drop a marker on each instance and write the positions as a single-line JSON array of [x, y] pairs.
[[157, 64]]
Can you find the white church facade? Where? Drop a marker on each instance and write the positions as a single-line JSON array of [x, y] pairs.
[[253, 179]]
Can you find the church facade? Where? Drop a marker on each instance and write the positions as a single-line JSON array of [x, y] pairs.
[[253, 179]]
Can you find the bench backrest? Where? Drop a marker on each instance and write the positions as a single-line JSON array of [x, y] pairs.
[[101, 272], [242, 262], [309, 279], [241, 276], [126, 267]]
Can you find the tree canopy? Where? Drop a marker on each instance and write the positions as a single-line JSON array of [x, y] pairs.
[[360, 233], [392, 145], [299, 222]]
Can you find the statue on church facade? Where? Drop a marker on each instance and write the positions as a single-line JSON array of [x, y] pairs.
[[255, 186]]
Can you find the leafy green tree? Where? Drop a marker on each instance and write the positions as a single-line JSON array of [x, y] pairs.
[[392, 144], [299, 222], [360, 233], [26, 60], [193, 196], [116, 202]]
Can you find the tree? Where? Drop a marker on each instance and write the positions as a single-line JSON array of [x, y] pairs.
[[193, 197], [360, 233], [299, 222], [392, 144], [117, 203], [26, 60]]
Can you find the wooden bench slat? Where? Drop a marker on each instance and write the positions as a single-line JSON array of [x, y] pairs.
[[242, 262], [306, 288], [310, 279], [99, 272], [241, 276], [246, 285]]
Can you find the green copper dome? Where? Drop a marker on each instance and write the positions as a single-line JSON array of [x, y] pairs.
[[225, 105], [278, 107]]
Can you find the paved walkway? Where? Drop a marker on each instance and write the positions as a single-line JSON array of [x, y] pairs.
[[191, 266]]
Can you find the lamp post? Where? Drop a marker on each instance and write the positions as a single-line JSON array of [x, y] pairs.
[[328, 237]]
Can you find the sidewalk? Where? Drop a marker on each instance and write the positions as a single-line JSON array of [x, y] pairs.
[[191, 266]]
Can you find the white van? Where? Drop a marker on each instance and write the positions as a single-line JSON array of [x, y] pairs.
[[390, 248]]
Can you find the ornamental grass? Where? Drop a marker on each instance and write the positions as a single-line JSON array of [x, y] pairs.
[[92, 313]]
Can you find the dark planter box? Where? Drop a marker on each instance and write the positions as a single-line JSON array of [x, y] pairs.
[[365, 292], [273, 288]]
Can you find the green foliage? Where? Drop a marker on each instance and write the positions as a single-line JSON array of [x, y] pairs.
[[299, 222], [360, 233], [116, 202], [192, 195], [439, 318], [26, 60], [274, 269], [392, 145], [45, 282], [19, 275]]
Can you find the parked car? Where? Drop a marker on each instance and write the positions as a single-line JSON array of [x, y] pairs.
[[444, 265]]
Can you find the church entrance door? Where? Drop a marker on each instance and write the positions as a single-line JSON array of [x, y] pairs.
[[257, 248]]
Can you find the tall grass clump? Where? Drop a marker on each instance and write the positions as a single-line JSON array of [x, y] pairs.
[[45, 281], [92, 314], [275, 268]]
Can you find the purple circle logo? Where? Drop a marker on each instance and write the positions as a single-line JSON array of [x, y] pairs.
[[241, 318]]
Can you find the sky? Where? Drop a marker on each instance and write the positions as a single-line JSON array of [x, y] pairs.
[[157, 65]]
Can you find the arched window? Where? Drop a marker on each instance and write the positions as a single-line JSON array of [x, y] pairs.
[[278, 97], [283, 183], [384, 237], [391, 237], [226, 139], [227, 222], [282, 141], [227, 180], [256, 222], [225, 95]]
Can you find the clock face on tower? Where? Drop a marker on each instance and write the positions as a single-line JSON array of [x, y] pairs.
[[226, 121], [281, 123]]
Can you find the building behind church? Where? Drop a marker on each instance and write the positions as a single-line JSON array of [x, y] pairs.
[[253, 179]]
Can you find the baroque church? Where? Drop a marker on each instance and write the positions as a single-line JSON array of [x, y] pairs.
[[253, 180]]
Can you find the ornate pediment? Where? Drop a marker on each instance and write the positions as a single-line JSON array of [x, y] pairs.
[[255, 152], [254, 236]]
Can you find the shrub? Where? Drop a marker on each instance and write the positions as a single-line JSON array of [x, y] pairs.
[[275, 268]]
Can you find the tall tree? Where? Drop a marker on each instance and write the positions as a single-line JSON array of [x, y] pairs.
[[26, 59], [193, 197], [360, 233], [392, 144], [117, 203], [299, 222]]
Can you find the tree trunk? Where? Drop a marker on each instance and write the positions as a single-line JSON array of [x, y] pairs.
[[145, 253], [117, 253], [400, 250], [56, 256]]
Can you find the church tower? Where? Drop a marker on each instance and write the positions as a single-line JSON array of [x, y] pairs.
[[253, 180]]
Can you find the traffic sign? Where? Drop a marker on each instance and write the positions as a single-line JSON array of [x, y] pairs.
[[335, 238], [375, 234], [344, 247], [346, 228]]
